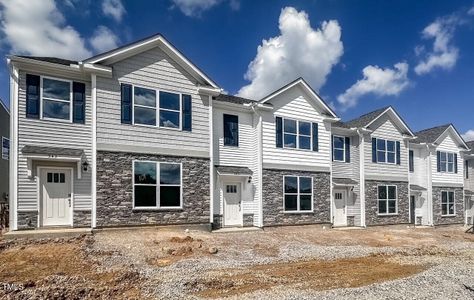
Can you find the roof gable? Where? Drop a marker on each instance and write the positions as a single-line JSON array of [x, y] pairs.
[[146, 44], [314, 97], [437, 134]]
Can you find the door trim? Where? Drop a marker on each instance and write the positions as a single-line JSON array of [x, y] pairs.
[[345, 195], [40, 195], [241, 223]]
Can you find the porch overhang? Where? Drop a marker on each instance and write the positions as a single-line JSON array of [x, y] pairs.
[[417, 188], [234, 171], [344, 182], [56, 154]]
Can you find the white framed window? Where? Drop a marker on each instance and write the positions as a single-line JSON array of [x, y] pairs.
[[339, 148], [297, 134], [446, 162], [56, 99], [5, 148], [297, 194], [157, 108], [157, 185], [386, 151], [448, 206], [387, 200]]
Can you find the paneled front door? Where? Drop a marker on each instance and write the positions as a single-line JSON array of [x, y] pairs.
[[55, 191], [232, 204], [340, 216]]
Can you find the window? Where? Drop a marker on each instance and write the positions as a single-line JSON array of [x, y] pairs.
[[56, 178], [446, 162], [231, 189], [338, 196], [144, 106], [231, 130], [447, 203], [152, 193], [467, 169], [298, 193], [411, 161], [339, 150], [56, 99], [386, 151], [156, 108], [387, 200], [5, 148], [296, 134]]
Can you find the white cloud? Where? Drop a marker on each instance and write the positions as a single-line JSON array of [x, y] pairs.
[[103, 39], [195, 8], [469, 135], [299, 50], [444, 55], [376, 81], [471, 11], [114, 9], [38, 28]]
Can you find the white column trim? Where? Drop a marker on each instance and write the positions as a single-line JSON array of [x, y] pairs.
[[94, 151], [13, 183], [362, 178], [211, 162]]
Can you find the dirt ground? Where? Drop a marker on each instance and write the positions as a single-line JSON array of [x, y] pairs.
[[169, 263]]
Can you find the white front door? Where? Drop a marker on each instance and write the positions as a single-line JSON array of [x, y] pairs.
[[56, 199], [340, 218], [232, 204]]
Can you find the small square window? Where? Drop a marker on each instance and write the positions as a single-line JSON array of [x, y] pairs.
[[56, 177], [62, 178], [50, 177]]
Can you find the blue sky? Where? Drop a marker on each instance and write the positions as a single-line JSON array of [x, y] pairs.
[[359, 55]]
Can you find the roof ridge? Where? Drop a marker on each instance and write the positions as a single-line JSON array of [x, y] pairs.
[[435, 127]]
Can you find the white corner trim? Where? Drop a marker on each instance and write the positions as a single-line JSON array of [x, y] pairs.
[[13, 183], [94, 151], [211, 161]]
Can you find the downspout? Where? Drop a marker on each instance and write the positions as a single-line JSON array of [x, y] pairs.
[[13, 182], [361, 176], [94, 151], [259, 164], [211, 162]]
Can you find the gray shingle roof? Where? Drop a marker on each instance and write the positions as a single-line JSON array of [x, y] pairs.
[[233, 99], [364, 120], [234, 170], [471, 146], [53, 60], [344, 181], [415, 187], [430, 135], [28, 149]]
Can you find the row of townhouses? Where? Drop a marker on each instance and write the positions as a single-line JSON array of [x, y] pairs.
[[140, 136]]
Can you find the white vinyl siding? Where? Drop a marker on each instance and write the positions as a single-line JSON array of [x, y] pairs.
[[155, 70], [40, 132], [293, 104], [385, 129], [450, 146]]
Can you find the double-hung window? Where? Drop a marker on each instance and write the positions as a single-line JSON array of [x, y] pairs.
[[448, 207], [386, 151], [5, 148], [339, 148], [159, 108], [231, 130], [157, 185], [296, 134], [446, 162], [387, 199], [298, 193], [56, 98]]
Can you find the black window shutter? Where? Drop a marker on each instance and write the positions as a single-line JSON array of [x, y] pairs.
[[187, 112], [32, 96], [315, 137], [279, 132], [374, 150], [348, 148], [398, 154], [126, 103], [411, 162], [455, 163], [467, 169], [438, 160], [79, 102], [332, 147]]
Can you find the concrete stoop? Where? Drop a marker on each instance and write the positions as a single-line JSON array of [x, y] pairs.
[[47, 233]]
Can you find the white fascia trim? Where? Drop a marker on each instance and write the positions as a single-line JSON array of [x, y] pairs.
[[259, 106], [398, 119], [94, 152], [13, 182], [307, 88], [74, 68], [210, 91], [97, 69]]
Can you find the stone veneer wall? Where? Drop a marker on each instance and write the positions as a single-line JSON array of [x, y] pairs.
[[458, 201], [273, 214], [371, 204], [82, 218], [27, 219], [115, 191]]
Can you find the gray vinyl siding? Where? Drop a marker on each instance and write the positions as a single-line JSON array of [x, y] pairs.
[[469, 182], [54, 134], [350, 170], [4, 164], [156, 70]]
